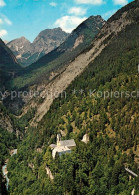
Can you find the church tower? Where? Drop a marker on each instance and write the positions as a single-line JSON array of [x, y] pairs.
[[58, 139]]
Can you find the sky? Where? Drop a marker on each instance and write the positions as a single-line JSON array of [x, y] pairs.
[[29, 17]]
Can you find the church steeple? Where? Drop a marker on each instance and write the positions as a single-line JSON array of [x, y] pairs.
[[58, 139]]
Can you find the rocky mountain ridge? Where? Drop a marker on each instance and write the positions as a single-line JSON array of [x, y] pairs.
[[27, 52], [59, 58]]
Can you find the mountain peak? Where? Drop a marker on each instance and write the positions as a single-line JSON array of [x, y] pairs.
[[97, 18], [51, 32], [93, 22], [58, 28], [23, 38], [18, 40], [56, 34]]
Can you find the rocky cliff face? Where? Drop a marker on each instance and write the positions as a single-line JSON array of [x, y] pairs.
[[27, 53], [48, 40], [19, 47]]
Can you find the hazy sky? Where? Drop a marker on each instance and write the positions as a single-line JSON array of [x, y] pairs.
[[29, 17]]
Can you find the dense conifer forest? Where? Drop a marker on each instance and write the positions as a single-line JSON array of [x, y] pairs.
[[111, 123]]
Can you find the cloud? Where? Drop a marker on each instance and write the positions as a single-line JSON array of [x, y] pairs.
[[53, 4], [108, 14], [78, 11], [5, 19], [3, 33], [120, 2], [2, 3], [68, 23], [93, 2]]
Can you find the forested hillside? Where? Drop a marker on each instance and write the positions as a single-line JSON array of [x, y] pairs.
[[8, 124], [12, 131], [102, 102], [8, 140]]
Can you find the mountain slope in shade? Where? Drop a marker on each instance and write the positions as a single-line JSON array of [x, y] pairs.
[[6, 56], [46, 41], [8, 64]]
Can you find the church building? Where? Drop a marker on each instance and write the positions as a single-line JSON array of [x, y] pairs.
[[62, 146]]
